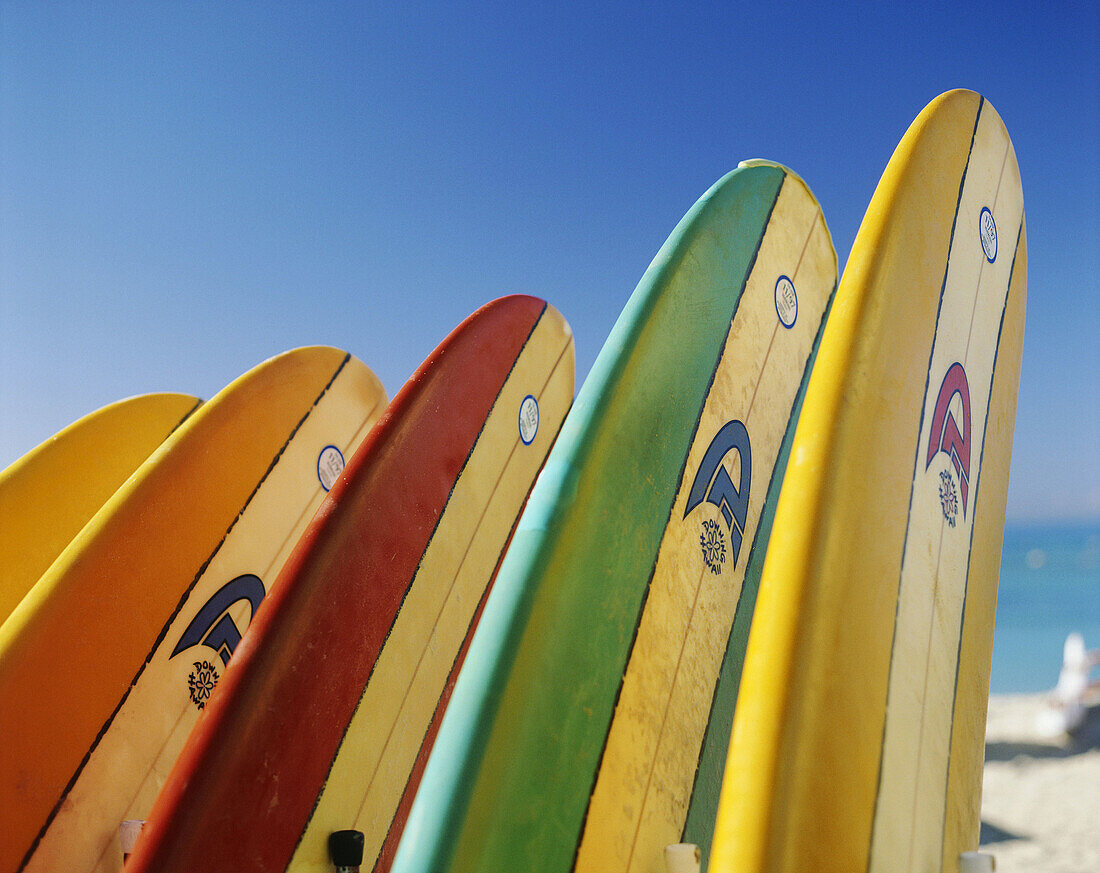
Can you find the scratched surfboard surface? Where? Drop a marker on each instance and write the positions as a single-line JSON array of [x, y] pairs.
[[859, 733], [51, 492], [330, 706], [106, 664], [588, 727]]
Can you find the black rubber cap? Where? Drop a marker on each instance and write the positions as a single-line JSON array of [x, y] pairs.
[[346, 848]]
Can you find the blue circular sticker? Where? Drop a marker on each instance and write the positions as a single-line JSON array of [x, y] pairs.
[[987, 229], [528, 419], [786, 302], [330, 464]]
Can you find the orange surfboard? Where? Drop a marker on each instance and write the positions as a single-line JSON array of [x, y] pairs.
[[106, 663]]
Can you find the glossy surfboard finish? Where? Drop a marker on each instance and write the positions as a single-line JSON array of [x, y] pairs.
[[859, 732], [106, 663], [325, 717], [51, 492], [589, 725]]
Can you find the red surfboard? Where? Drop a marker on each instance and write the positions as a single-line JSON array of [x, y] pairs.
[[324, 718]]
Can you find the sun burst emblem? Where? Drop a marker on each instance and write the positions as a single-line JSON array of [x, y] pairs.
[[201, 682], [949, 498], [713, 544]]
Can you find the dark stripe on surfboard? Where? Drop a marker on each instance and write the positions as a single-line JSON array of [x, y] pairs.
[[164, 630], [186, 416]]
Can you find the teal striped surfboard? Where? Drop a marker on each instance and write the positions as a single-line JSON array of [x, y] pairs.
[[590, 724]]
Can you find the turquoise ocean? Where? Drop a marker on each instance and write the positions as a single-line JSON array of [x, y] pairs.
[[1049, 586]]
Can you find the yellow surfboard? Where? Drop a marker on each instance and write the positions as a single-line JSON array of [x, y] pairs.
[[106, 663], [49, 494], [858, 734]]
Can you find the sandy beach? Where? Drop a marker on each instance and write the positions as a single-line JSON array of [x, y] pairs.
[[1041, 795]]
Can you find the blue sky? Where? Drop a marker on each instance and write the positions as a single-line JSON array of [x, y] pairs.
[[188, 188]]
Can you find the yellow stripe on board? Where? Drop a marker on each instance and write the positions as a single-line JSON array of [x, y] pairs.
[[383, 739], [640, 800], [129, 765], [911, 802]]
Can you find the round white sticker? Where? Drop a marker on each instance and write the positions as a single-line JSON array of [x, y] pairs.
[[528, 419], [987, 229], [330, 464], [786, 302]]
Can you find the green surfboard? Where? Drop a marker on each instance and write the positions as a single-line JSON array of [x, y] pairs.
[[589, 727]]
